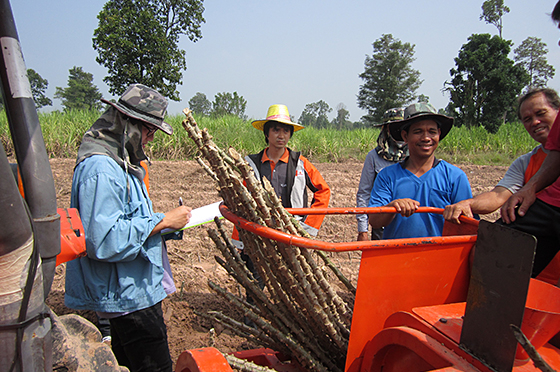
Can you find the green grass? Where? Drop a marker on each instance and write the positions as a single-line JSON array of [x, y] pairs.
[[63, 131], [477, 146]]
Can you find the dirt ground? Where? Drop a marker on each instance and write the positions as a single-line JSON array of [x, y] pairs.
[[192, 259]]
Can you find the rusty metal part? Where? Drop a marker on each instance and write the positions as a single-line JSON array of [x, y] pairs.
[[499, 282]]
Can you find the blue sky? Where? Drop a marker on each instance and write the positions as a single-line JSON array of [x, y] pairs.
[[293, 52]]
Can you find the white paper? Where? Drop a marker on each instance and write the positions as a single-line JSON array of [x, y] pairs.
[[200, 216]]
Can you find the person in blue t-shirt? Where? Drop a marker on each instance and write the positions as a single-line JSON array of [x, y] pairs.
[[420, 179]]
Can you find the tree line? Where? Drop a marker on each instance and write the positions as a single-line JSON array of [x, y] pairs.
[[483, 86], [137, 41]]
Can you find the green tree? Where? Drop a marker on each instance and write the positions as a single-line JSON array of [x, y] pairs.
[[200, 105], [484, 83], [137, 41], [229, 104], [341, 121], [531, 55], [492, 13], [38, 88], [315, 115], [389, 79], [81, 93]]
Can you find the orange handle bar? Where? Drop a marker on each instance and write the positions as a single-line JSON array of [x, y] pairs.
[[365, 210], [269, 233]]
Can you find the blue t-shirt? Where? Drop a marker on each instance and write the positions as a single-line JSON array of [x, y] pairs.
[[442, 185]]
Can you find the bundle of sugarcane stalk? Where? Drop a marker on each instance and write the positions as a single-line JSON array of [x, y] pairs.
[[297, 312]]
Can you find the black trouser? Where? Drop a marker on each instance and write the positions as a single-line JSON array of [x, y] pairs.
[[377, 234], [104, 326], [139, 340], [543, 221]]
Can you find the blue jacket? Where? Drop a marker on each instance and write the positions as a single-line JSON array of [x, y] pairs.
[[123, 269], [372, 166]]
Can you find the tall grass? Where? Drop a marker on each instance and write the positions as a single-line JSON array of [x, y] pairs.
[[477, 146], [63, 131]]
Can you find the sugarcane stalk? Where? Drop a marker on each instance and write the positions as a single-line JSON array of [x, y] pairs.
[[244, 277], [538, 361], [237, 328], [300, 336], [337, 302], [289, 293], [337, 272], [307, 359], [321, 313], [299, 301], [207, 169], [245, 365]]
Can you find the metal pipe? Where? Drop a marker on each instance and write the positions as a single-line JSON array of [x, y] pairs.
[[16, 227], [31, 154], [442, 242]]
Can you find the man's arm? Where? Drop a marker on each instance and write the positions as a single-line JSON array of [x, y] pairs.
[[321, 193], [547, 174], [484, 203], [405, 207], [174, 219], [382, 195]]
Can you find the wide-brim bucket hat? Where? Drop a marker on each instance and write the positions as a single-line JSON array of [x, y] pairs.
[[393, 114], [417, 112], [145, 104], [277, 113]]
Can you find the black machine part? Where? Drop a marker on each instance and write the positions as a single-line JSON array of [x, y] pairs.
[[500, 276], [30, 150]]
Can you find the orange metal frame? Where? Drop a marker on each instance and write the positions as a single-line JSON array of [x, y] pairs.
[[405, 286], [395, 275], [469, 225], [72, 236]]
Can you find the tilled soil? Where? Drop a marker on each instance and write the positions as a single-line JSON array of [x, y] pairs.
[[192, 259]]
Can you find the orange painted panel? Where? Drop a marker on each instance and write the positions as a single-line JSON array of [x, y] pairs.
[[400, 279]]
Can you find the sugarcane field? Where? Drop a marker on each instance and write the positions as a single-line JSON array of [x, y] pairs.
[[207, 309]]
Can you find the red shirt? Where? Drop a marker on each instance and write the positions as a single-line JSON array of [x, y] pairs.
[[551, 195]]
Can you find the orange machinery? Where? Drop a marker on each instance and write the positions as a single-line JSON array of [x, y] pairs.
[[418, 308], [72, 235]]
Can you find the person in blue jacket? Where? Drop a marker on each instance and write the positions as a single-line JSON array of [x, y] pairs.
[[126, 273], [387, 152], [420, 179]]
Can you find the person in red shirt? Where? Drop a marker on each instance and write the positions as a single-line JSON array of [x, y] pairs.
[[537, 111], [535, 208]]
